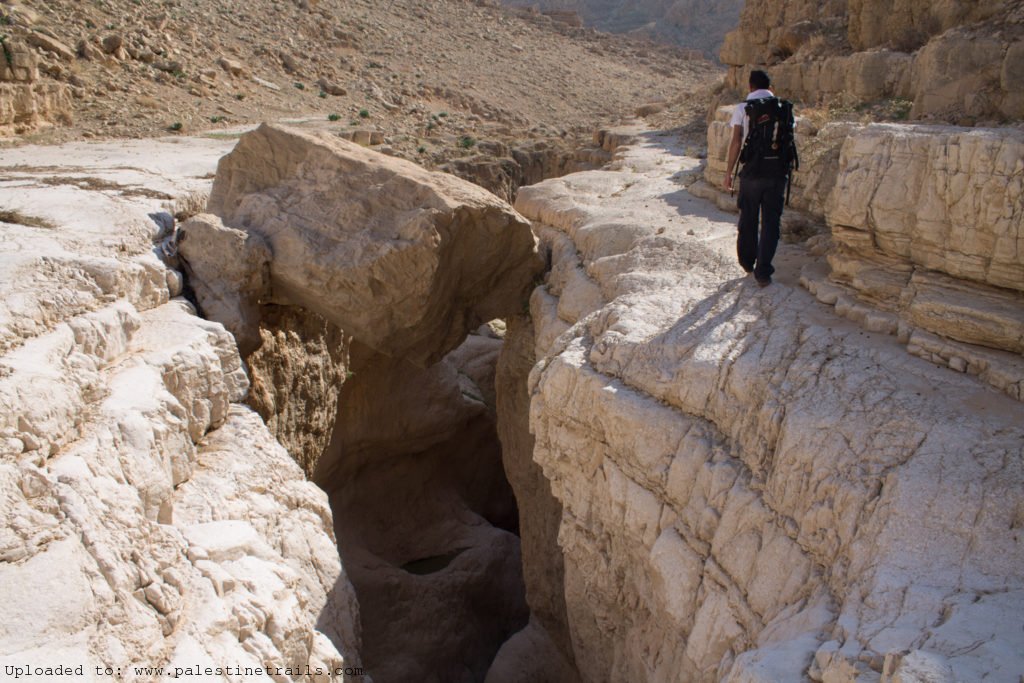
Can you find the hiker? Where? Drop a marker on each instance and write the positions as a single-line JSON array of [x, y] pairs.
[[765, 147]]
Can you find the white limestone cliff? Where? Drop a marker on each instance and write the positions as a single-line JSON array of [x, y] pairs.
[[923, 228], [753, 488], [149, 519]]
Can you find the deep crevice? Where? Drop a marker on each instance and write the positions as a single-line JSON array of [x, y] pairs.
[[426, 521]]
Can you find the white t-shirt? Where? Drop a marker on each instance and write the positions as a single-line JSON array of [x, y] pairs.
[[739, 117]]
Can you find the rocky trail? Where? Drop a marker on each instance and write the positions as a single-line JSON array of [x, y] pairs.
[[741, 465]]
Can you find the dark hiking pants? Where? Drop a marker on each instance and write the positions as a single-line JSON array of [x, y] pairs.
[[759, 198]]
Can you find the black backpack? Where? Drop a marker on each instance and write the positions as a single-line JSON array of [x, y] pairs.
[[769, 150]]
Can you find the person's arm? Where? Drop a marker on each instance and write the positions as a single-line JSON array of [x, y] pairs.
[[734, 155]]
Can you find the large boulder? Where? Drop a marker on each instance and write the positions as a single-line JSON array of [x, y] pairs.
[[405, 260]]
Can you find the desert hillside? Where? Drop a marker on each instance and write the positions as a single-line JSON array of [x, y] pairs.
[[696, 24], [427, 76]]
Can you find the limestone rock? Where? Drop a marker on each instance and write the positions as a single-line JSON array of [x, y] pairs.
[[233, 67], [396, 243], [423, 513], [946, 57], [26, 103], [924, 226], [747, 484], [19, 64], [297, 372], [946, 199], [148, 519], [875, 22], [650, 109], [331, 88], [363, 136], [540, 513], [229, 270], [52, 45], [112, 43]]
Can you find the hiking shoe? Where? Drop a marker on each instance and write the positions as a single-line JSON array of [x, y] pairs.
[[763, 282]]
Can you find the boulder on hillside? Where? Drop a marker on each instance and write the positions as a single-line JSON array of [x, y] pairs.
[[405, 260], [52, 45]]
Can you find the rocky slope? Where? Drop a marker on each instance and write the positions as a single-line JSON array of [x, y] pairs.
[[748, 486], [699, 25], [410, 73]]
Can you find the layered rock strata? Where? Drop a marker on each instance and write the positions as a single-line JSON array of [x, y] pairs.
[[25, 101], [925, 228], [753, 488], [149, 518], [953, 61]]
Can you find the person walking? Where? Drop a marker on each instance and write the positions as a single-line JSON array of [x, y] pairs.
[[762, 140]]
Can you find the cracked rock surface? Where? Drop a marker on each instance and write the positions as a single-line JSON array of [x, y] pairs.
[[752, 487], [147, 517]]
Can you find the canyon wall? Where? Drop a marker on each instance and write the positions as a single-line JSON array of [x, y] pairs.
[[753, 488], [359, 284], [954, 61], [150, 519]]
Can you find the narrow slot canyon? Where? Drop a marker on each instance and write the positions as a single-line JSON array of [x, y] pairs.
[[425, 519], [389, 396]]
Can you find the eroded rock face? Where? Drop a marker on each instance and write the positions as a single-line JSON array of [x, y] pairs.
[[25, 102], [924, 230], [297, 373], [949, 58], [947, 199], [753, 488], [405, 260], [229, 271], [926, 227], [543, 650], [148, 518]]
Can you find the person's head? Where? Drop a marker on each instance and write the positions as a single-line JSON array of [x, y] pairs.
[[759, 80]]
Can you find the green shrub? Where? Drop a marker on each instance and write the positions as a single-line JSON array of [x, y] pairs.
[[465, 142], [334, 117], [364, 113]]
